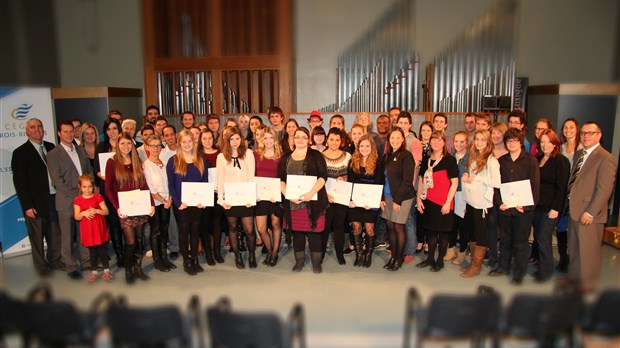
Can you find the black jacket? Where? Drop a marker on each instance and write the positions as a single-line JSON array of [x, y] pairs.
[[30, 178], [400, 167]]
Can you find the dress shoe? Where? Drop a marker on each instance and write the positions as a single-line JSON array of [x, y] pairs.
[[273, 261], [75, 275], [497, 272], [389, 264], [218, 258], [425, 263], [437, 268], [540, 279], [196, 265], [395, 266], [267, 260], [516, 281]]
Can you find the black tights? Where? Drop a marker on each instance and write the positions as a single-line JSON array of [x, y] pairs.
[[368, 226], [98, 252], [434, 238], [314, 241], [247, 223], [188, 223], [398, 238]]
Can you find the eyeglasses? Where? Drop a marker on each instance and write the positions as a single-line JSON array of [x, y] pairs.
[[155, 146], [301, 138], [510, 141], [591, 133], [541, 129]]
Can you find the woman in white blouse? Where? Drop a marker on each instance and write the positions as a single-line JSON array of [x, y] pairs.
[[236, 164], [157, 179]]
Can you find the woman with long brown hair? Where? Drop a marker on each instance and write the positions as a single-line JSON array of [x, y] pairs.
[[365, 168], [288, 141], [186, 166], [124, 173], [236, 164]]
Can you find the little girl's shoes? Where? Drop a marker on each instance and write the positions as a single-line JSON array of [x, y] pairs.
[[107, 276], [92, 278]]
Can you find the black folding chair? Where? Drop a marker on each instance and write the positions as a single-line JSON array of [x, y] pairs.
[[254, 330], [453, 317], [544, 318], [602, 318], [157, 326]]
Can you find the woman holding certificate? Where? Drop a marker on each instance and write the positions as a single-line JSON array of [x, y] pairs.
[[304, 216], [186, 166], [437, 186], [365, 168], [398, 194], [337, 164], [481, 178], [267, 157], [515, 219], [554, 174], [211, 228], [124, 173], [236, 165]]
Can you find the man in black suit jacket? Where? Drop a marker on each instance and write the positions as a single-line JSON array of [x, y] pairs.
[[35, 191]]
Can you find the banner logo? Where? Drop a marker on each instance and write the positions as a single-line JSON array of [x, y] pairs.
[[21, 112]]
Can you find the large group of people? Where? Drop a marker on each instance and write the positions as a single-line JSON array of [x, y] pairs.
[[441, 193]]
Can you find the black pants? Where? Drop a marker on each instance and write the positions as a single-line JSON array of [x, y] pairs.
[[98, 252], [514, 231], [478, 223]]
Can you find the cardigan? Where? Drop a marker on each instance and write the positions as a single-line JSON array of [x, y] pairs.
[[399, 166], [175, 180]]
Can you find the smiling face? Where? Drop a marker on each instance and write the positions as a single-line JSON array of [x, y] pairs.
[[159, 126], [515, 122], [187, 120], [590, 135], [130, 128], [541, 126], [480, 142], [365, 148], [151, 115], [169, 136], [425, 133], [356, 134], [383, 125], [268, 140], [333, 142], [66, 134], [513, 145], [254, 123], [155, 147], [125, 146], [336, 123], [291, 127], [546, 146], [112, 131], [569, 130], [187, 143], [89, 135], [396, 140], [497, 137], [301, 139], [460, 142], [319, 138], [437, 144], [207, 140]]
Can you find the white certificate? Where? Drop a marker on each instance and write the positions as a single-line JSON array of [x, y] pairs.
[[472, 194], [240, 193], [135, 203], [367, 195], [340, 190], [517, 193], [212, 176], [299, 185], [197, 193], [268, 189], [103, 160], [459, 204]]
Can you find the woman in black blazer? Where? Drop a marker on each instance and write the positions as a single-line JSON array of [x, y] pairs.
[[398, 194]]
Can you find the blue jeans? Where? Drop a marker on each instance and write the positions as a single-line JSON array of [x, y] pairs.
[[410, 231], [380, 230]]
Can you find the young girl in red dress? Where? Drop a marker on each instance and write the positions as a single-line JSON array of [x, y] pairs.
[[89, 209]]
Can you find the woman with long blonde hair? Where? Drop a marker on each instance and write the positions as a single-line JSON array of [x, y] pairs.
[[365, 168], [187, 166], [124, 173]]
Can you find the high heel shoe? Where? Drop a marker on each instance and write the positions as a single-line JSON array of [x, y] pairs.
[[267, 260], [390, 263], [273, 261], [418, 248], [395, 266], [425, 263]]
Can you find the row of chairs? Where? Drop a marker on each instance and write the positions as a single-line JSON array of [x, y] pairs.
[[561, 319], [41, 321]]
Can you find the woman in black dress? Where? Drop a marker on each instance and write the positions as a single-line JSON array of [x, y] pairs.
[[365, 168]]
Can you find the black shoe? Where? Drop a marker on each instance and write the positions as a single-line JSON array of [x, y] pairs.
[[75, 275], [188, 267], [267, 260], [498, 272], [341, 260], [273, 261], [426, 263], [395, 266], [239, 261], [389, 263], [218, 258], [174, 255], [516, 281], [210, 260], [437, 267], [492, 262], [347, 251], [264, 250], [197, 266], [252, 259]]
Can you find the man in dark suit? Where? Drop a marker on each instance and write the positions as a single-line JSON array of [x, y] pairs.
[[36, 192], [589, 189], [66, 163]]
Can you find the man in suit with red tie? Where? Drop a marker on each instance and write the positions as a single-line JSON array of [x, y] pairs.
[[589, 189], [36, 192]]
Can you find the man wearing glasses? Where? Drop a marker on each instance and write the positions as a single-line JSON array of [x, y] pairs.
[[315, 120], [589, 188]]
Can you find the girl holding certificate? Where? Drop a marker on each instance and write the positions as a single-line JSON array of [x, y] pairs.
[[398, 194], [267, 157], [235, 164], [304, 216], [515, 222], [186, 166], [336, 218], [123, 172], [211, 228], [483, 177], [157, 180], [437, 186], [365, 168]]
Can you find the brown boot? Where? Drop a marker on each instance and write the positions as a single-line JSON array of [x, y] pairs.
[[477, 258], [472, 246]]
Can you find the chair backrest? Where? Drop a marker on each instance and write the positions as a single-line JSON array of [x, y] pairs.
[[12, 318], [604, 315], [153, 326], [55, 322]]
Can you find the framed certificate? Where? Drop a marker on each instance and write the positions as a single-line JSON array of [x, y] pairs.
[[240, 193], [299, 185], [367, 195], [103, 160], [340, 190], [197, 193], [135, 203], [268, 189], [212, 176], [517, 193]]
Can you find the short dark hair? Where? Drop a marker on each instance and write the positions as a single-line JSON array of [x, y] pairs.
[[152, 107], [513, 133], [394, 108], [275, 110], [522, 115], [115, 112], [440, 114], [64, 123], [147, 126], [213, 117], [188, 113], [170, 126], [161, 118], [405, 114]]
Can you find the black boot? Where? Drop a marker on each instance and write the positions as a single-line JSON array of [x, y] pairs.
[[359, 251], [300, 259], [188, 265], [158, 261], [315, 256], [137, 268], [206, 248], [117, 244], [128, 263], [163, 248], [239, 260], [370, 248], [389, 264], [252, 258], [562, 250]]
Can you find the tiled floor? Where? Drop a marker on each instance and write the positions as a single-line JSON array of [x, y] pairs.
[[345, 306]]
